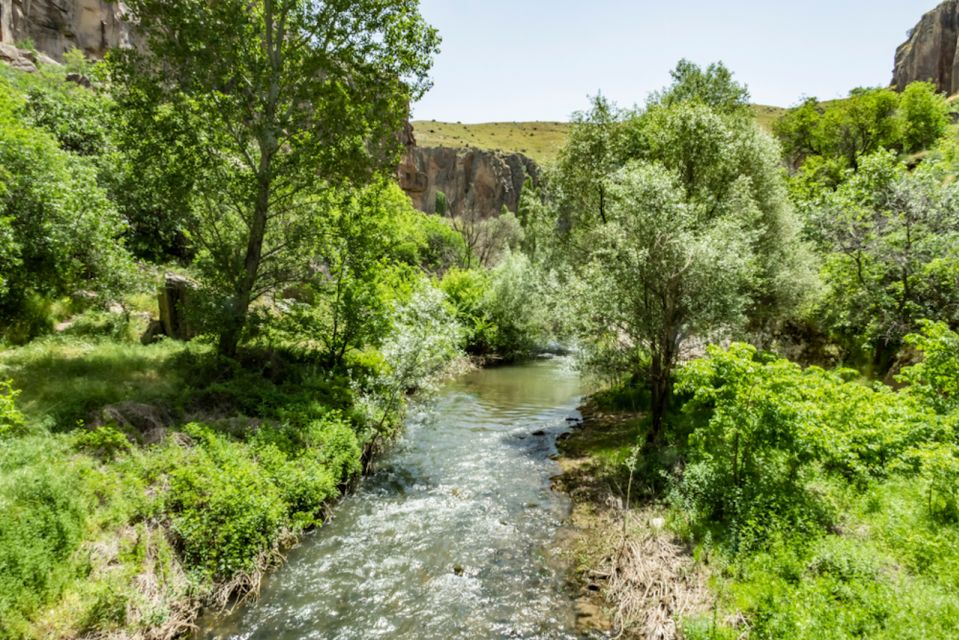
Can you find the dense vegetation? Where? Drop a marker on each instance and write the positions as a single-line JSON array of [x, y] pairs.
[[820, 492], [139, 482], [811, 459]]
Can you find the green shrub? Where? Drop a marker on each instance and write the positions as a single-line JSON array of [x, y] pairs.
[[501, 309], [104, 442], [44, 514], [11, 420], [935, 379], [766, 427], [226, 512]]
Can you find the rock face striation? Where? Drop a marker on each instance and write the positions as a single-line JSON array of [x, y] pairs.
[[56, 26], [473, 180], [930, 52]]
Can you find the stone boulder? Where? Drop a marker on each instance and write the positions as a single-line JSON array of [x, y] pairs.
[[19, 59], [930, 53], [145, 423]]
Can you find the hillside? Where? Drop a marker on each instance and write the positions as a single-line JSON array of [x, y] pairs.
[[540, 141]]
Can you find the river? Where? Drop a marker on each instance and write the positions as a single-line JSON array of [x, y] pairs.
[[452, 537]]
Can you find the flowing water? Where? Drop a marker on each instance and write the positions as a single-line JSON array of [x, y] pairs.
[[452, 536]]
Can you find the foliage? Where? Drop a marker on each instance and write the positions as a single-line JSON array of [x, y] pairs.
[[11, 420], [324, 89], [58, 230], [769, 428], [486, 238], [890, 237], [923, 115], [593, 151], [713, 86], [869, 120], [423, 343], [502, 310], [935, 378], [698, 235]]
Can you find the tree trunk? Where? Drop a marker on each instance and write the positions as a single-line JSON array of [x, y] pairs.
[[243, 294], [659, 390]]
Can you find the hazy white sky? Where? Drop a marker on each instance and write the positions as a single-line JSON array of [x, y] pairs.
[[505, 60]]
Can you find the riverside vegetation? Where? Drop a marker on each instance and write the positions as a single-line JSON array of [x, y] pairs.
[[809, 461]]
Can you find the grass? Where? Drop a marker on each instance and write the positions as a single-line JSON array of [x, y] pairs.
[[887, 569], [103, 538], [64, 379], [766, 116], [541, 141], [886, 573]]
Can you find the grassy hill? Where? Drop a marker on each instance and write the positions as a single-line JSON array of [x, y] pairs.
[[541, 141]]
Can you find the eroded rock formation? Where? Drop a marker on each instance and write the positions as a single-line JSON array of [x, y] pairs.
[[471, 179], [55, 27], [930, 52]]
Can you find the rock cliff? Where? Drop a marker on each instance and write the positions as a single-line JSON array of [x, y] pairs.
[[930, 52], [55, 26], [472, 179]]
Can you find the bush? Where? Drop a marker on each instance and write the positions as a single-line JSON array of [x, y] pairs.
[[60, 231], [44, 515], [11, 420], [935, 379], [501, 309], [765, 429], [226, 512]]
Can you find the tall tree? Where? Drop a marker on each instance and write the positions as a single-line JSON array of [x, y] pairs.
[[591, 155], [662, 272], [283, 98], [700, 190]]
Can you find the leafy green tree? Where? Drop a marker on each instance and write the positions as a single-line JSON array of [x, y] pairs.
[[891, 238], [840, 132], [923, 115], [592, 153], [663, 271], [713, 86], [58, 230], [703, 238], [725, 163], [285, 98]]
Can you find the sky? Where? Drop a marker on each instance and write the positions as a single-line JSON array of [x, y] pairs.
[[516, 60]]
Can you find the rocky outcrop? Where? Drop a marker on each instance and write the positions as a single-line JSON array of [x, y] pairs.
[[56, 26], [472, 180], [930, 52]]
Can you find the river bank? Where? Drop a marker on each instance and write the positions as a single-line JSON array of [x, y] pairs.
[[631, 576]]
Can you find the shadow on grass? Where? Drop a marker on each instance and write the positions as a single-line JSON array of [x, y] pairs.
[[64, 380]]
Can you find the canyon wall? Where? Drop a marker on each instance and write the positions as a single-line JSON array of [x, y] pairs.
[[473, 180], [55, 27], [930, 52]]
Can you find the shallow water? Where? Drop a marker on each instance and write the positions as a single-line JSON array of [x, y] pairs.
[[451, 537]]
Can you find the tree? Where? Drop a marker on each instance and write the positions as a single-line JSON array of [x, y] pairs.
[[839, 132], [713, 86], [924, 116], [663, 272], [592, 153], [285, 98], [58, 230], [486, 238], [702, 192], [891, 239]]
